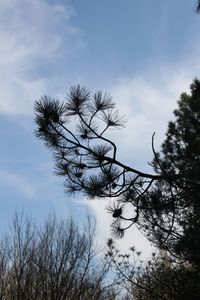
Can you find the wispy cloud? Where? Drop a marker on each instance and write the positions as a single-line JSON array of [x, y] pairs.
[[32, 34], [148, 100], [147, 106]]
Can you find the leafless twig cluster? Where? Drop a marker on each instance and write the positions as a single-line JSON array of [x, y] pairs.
[[54, 262]]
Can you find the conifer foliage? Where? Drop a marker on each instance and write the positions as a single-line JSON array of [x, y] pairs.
[[76, 132], [164, 203]]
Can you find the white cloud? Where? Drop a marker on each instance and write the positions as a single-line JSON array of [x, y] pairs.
[[148, 101], [133, 237], [29, 28], [32, 33]]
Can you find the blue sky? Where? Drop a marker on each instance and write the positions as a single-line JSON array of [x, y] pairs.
[[145, 53]]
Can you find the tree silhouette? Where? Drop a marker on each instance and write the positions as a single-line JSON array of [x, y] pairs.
[[75, 131], [180, 155], [164, 203]]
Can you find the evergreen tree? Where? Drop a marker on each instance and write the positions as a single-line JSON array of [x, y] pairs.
[[177, 200], [165, 203]]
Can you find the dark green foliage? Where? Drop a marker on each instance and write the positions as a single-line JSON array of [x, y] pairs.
[[178, 199]]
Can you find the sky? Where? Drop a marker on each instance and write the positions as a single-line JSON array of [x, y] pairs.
[[144, 53]]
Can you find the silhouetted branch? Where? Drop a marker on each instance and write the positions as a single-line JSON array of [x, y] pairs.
[[76, 132]]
